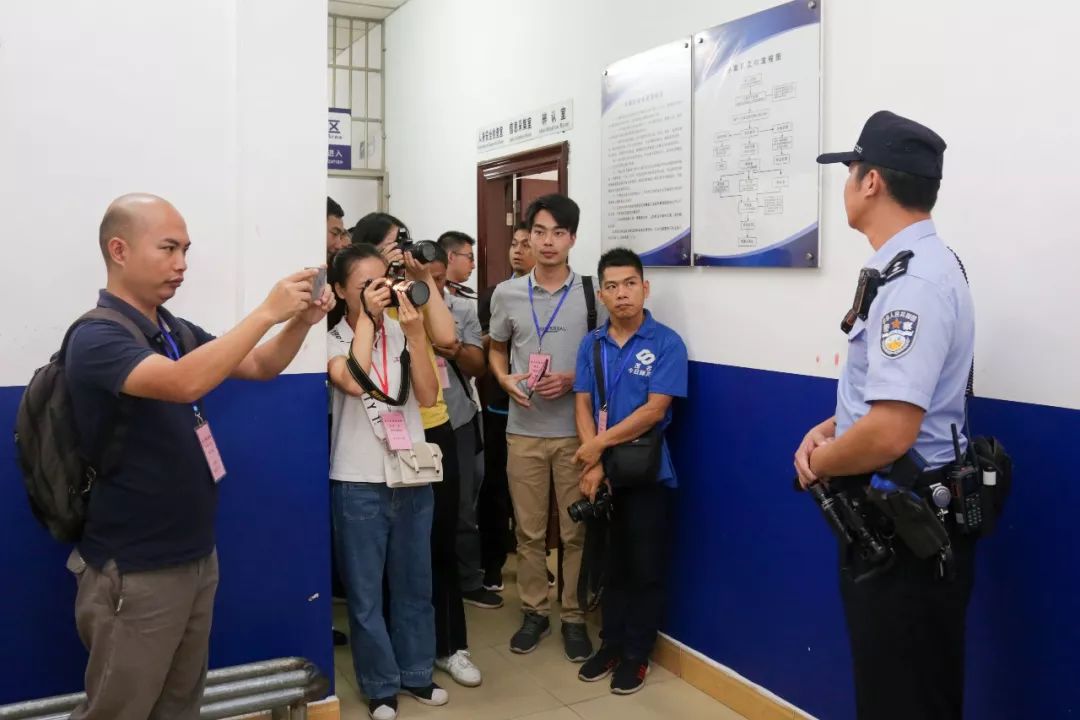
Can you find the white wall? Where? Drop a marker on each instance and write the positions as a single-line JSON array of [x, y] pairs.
[[357, 196], [993, 81], [196, 101]]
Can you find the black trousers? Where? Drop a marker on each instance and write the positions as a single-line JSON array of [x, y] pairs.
[[633, 600], [493, 509], [907, 636], [450, 632]]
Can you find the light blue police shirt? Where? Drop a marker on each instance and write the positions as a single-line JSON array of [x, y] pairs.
[[915, 345]]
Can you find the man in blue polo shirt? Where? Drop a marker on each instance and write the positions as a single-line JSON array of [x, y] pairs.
[[644, 367], [146, 564]]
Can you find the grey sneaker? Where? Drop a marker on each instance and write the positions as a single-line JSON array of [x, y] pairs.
[[533, 629], [576, 641]]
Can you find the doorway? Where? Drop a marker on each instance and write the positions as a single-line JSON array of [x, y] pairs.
[[504, 188]]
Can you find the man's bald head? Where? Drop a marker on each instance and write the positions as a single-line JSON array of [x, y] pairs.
[[128, 216]]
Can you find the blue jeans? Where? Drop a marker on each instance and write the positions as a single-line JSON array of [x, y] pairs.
[[376, 527]]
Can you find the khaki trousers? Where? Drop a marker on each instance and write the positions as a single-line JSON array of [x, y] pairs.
[[531, 465]]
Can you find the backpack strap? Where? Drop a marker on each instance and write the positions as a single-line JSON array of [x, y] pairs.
[[590, 301], [183, 334], [111, 440], [102, 314]]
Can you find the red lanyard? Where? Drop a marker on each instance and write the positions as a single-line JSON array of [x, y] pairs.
[[384, 378]]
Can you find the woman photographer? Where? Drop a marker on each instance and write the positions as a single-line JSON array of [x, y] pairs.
[[382, 514], [383, 231]]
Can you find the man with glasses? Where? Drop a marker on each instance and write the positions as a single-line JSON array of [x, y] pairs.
[[462, 260]]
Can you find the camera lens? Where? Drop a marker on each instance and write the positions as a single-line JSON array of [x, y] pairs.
[[581, 510], [423, 251]]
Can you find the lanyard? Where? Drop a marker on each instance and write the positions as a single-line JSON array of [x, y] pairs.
[[384, 377], [173, 351], [609, 389], [536, 321]]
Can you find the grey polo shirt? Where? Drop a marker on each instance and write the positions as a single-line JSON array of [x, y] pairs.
[[512, 322], [458, 399]]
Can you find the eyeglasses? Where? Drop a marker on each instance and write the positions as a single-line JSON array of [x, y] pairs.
[[472, 258]]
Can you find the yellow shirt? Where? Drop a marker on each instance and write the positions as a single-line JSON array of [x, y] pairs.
[[437, 414]]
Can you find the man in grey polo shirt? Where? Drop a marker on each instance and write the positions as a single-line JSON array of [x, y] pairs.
[[539, 320]]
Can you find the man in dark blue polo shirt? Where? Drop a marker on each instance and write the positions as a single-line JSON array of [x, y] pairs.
[[146, 564], [644, 367]]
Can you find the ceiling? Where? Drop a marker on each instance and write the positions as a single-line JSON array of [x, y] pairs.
[[370, 9]]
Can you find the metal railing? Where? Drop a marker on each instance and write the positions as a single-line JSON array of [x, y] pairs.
[[284, 687]]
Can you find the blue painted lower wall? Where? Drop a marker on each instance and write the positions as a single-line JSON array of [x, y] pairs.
[[754, 580], [273, 544]]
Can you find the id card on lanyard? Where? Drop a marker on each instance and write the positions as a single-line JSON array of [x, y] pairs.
[[540, 362], [609, 387], [393, 421], [202, 428]]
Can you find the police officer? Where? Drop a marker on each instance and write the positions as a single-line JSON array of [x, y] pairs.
[[901, 392]]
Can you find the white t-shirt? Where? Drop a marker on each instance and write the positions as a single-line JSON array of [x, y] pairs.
[[356, 453]]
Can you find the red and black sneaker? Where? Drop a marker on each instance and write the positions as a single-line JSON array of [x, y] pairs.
[[629, 676], [600, 665]]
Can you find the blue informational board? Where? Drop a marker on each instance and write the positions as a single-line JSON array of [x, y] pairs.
[[757, 114], [645, 148]]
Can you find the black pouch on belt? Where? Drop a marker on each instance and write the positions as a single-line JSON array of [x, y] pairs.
[[915, 522]]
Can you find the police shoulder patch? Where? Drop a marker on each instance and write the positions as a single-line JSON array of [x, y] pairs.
[[898, 328]]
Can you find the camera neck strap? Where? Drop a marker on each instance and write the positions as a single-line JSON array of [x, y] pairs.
[[364, 380]]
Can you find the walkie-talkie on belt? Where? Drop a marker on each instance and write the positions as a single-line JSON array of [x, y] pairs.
[[964, 481]]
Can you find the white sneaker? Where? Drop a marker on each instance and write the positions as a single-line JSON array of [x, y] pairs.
[[461, 668]]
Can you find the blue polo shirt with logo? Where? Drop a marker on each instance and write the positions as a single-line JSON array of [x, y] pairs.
[[155, 507], [653, 360]]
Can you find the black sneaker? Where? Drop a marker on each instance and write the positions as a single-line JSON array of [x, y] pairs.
[[340, 638], [551, 579], [482, 598], [629, 676], [533, 629], [576, 641], [382, 708], [493, 581], [600, 665], [430, 695]]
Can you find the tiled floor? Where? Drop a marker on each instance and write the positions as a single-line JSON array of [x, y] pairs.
[[540, 686]]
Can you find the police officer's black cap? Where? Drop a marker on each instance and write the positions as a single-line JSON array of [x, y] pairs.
[[895, 143]]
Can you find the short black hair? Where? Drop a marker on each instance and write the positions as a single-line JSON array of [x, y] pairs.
[[451, 240], [912, 192], [522, 225], [565, 211], [619, 257], [372, 228], [333, 209], [345, 258]]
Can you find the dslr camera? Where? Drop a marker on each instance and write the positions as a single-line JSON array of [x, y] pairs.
[[423, 252], [598, 509]]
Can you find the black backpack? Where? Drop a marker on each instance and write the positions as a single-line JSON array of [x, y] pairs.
[[57, 474]]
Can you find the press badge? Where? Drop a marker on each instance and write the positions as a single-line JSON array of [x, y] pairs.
[[538, 365], [444, 372], [397, 430], [210, 451], [601, 422]]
